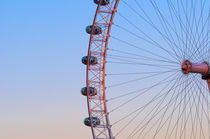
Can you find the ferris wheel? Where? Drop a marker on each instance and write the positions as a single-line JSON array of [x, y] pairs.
[[148, 70]]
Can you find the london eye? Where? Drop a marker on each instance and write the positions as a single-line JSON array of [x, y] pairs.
[[148, 70]]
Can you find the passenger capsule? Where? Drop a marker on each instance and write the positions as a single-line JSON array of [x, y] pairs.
[[97, 30], [104, 2], [92, 91], [93, 60], [95, 120]]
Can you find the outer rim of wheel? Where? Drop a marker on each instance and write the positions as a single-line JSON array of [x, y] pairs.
[[105, 112]]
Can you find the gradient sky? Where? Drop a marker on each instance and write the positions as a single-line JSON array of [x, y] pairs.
[[41, 74], [41, 44]]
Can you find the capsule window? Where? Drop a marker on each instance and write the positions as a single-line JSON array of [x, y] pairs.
[[97, 30], [93, 60], [104, 2], [92, 91], [95, 120]]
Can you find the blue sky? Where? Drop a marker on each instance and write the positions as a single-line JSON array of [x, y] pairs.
[[41, 44]]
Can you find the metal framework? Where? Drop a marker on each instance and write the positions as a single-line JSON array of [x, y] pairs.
[[95, 75]]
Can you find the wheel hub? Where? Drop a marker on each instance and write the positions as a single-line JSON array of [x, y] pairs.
[[202, 68]]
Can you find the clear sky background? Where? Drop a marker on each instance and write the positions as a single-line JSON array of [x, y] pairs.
[[41, 45], [41, 74]]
